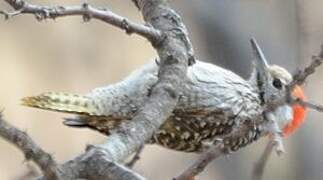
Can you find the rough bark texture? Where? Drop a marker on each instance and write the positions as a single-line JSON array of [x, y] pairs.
[[175, 52], [31, 151], [168, 36]]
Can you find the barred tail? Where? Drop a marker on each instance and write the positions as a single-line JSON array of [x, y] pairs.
[[63, 102]]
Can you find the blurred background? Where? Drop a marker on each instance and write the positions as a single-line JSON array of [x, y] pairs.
[[72, 56]]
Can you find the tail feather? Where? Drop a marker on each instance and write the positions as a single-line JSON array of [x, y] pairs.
[[103, 124], [63, 102], [75, 122]]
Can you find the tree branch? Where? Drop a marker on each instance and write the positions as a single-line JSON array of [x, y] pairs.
[[30, 149], [259, 166], [169, 37], [299, 78], [217, 151], [95, 166], [135, 158], [87, 12], [175, 53], [308, 104], [200, 164]]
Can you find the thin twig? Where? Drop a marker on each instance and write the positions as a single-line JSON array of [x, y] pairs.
[[259, 166], [30, 149], [203, 160], [135, 158], [87, 12], [300, 76], [308, 104], [8, 15]]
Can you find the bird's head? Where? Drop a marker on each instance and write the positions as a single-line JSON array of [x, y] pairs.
[[272, 82]]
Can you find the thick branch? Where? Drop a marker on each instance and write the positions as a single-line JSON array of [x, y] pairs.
[[174, 50], [174, 54], [95, 163], [95, 166], [87, 12], [30, 149]]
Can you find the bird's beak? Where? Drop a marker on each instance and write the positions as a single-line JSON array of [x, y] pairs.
[[260, 62], [298, 93], [259, 55], [299, 112]]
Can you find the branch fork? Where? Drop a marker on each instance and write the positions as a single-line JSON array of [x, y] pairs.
[[102, 161], [169, 37]]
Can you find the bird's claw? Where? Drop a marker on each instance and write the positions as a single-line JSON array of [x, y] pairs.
[[279, 147], [276, 135]]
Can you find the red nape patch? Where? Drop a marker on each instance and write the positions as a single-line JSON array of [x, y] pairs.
[[299, 113]]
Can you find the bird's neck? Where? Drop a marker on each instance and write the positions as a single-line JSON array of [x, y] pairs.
[[253, 78]]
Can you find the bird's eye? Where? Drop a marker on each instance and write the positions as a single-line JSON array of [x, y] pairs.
[[277, 83]]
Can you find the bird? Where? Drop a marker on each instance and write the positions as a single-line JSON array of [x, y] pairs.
[[213, 102]]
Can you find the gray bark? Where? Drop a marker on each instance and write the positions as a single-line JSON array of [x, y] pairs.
[[174, 51]]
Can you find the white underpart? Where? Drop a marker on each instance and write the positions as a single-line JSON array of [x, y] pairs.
[[284, 115], [278, 119]]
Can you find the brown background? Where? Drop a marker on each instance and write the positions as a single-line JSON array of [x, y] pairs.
[[70, 55]]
